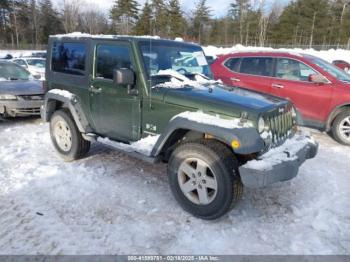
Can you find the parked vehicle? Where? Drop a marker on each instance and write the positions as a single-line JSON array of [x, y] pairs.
[[320, 91], [20, 93], [342, 65], [154, 99], [36, 66]]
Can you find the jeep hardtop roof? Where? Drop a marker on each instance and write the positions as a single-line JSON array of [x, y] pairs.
[[78, 35]]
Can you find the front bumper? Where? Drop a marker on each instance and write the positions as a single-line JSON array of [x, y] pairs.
[[279, 164], [20, 107]]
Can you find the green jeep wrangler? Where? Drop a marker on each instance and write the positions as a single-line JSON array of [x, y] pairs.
[[155, 100]]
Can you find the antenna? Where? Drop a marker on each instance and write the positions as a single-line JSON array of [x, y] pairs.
[[150, 64]]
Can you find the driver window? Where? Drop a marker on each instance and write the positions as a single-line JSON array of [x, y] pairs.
[[111, 57], [293, 70]]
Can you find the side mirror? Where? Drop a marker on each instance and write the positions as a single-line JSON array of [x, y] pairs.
[[124, 76], [317, 79]]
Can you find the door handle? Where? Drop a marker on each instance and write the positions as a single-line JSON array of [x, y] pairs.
[[95, 90], [279, 86], [235, 79]]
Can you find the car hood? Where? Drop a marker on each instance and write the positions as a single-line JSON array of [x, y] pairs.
[[223, 100], [30, 87]]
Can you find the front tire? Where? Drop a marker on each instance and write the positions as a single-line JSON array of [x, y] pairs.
[[203, 178], [66, 137], [341, 128]]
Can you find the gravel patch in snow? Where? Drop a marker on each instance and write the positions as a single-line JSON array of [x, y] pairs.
[[109, 203]]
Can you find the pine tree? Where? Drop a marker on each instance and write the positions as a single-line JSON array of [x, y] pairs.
[[124, 15], [159, 18], [143, 25], [176, 19], [50, 22], [201, 18], [239, 11]]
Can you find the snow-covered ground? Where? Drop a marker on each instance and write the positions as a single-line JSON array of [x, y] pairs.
[[109, 203], [328, 55]]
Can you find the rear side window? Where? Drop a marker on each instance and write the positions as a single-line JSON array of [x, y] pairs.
[[69, 58], [111, 57], [232, 64], [260, 66]]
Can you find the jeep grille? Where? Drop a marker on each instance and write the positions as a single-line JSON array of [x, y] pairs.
[[281, 126]]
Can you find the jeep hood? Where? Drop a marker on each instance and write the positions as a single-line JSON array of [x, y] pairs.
[[30, 87], [223, 100]]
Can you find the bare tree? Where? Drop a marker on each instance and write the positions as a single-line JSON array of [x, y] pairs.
[[14, 23], [71, 13], [312, 30], [93, 20]]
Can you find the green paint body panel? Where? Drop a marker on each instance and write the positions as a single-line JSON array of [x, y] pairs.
[[119, 115]]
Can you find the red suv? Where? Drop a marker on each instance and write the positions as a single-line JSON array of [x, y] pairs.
[[320, 91]]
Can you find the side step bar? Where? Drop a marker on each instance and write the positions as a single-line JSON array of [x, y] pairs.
[[122, 147]]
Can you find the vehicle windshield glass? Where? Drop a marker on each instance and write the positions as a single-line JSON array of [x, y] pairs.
[[13, 72], [36, 62], [186, 59], [331, 69]]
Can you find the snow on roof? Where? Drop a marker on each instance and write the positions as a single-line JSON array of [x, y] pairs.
[[85, 35]]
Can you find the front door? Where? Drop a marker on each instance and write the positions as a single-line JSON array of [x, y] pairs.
[[115, 112], [292, 82]]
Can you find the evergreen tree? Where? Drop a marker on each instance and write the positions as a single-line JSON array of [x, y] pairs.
[[143, 25], [124, 15], [200, 22], [240, 10], [50, 23], [176, 20], [159, 18]]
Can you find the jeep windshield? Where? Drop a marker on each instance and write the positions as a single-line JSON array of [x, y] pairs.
[[188, 60]]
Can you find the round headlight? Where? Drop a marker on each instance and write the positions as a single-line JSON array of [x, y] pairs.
[[262, 126]]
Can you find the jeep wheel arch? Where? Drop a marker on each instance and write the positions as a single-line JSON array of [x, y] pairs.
[[54, 101], [250, 140]]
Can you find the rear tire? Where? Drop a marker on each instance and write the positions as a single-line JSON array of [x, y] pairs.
[[66, 137], [203, 177], [341, 128]]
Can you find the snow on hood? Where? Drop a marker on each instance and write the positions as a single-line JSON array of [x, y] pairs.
[[213, 120], [178, 80]]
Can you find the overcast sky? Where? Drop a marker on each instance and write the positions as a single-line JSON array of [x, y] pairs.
[[219, 7]]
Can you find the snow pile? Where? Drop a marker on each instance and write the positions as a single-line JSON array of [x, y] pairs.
[[178, 80], [143, 146], [214, 120], [277, 155], [328, 55], [110, 203], [61, 92]]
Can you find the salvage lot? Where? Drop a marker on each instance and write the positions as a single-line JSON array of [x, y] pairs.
[[109, 203]]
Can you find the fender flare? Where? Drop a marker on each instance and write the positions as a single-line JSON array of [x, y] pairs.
[[73, 105], [250, 140]]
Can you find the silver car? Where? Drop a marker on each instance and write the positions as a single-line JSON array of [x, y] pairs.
[[20, 93]]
